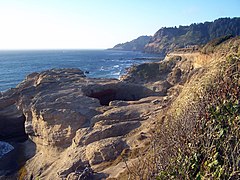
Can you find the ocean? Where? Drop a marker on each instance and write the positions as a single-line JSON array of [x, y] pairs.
[[16, 65]]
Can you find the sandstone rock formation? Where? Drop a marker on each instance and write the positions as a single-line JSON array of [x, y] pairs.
[[73, 120], [93, 127]]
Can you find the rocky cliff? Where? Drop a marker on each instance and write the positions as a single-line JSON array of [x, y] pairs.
[[166, 40], [97, 128], [75, 122], [134, 45]]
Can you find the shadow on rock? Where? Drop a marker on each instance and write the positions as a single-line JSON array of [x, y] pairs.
[[11, 162]]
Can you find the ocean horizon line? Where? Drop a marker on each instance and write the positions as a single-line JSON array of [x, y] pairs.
[[53, 49]]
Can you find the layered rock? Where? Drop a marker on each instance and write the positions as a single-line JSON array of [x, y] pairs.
[[78, 122], [68, 115]]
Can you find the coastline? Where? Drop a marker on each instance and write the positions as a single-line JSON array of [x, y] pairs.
[[99, 63]]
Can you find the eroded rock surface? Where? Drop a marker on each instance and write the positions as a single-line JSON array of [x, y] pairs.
[[73, 120], [80, 123]]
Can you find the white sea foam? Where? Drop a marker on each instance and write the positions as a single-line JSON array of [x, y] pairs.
[[5, 148], [115, 73]]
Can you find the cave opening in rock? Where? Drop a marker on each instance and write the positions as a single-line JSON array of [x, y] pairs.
[[12, 129], [17, 147], [108, 95]]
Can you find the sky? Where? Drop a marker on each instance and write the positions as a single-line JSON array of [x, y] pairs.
[[98, 24]]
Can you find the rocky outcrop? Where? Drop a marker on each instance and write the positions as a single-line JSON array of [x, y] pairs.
[[78, 122], [68, 115]]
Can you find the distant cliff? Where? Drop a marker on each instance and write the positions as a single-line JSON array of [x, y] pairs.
[[167, 39], [134, 45]]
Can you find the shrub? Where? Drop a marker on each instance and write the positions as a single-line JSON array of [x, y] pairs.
[[204, 142], [209, 47]]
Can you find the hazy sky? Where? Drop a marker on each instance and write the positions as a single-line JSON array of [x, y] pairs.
[[64, 24]]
